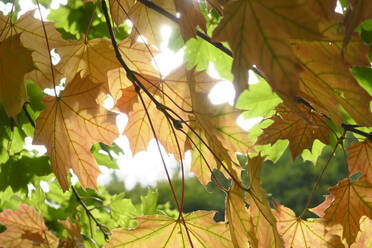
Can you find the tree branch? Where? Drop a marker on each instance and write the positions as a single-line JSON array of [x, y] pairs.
[[104, 229], [352, 128]]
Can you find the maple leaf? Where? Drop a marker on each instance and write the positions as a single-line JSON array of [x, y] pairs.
[[305, 233], [74, 231], [25, 228], [364, 239], [324, 8], [118, 9], [259, 33], [15, 62], [138, 58], [301, 135], [147, 22], [33, 38], [260, 210], [216, 126], [327, 81], [240, 222], [168, 232], [360, 159], [176, 86], [358, 11], [190, 18], [351, 200], [93, 58], [69, 126]]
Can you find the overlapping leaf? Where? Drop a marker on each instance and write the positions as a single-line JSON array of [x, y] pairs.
[[74, 232], [358, 11], [177, 87], [15, 62], [69, 126], [259, 33], [118, 10], [360, 159], [25, 228], [163, 231], [190, 18], [93, 58], [300, 133], [305, 233], [327, 81], [216, 126], [240, 222], [260, 210], [351, 200], [364, 239], [33, 38], [148, 22]]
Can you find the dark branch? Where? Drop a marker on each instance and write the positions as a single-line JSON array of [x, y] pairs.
[[352, 128], [105, 230], [28, 114]]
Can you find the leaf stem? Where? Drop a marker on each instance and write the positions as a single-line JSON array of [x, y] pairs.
[[90, 22], [105, 230], [339, 141]]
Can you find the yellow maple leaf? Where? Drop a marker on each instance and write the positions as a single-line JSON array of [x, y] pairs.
[[259, 33], [148, 22], [163, 231], [118, 9], [305, 233], [69, 126], [241, 225], [25, 228], [15, 62]]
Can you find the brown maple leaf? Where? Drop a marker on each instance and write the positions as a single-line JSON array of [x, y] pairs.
[[25, 228], [69, 126], [351, 200], [300, 133], [305, 233], [15, 62], [358, 11], [163, 231], [33, 38], [360, 159], [190, 18], [259, 33], [74, 231], [327, 81]]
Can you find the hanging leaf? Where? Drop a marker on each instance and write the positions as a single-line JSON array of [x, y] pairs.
[[69, 126], [360, 159]]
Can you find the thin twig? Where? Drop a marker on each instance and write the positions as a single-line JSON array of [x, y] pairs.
[[104, 229], [28, 114]]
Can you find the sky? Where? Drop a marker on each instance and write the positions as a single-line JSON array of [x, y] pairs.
[[145, 167]]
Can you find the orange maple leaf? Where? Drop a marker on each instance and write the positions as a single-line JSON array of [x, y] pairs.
[[15, 62], [163, 231], [364, 239], [351, 200], [305, 233], [25, 228], [74, 231], [360, 159], [70, 125], [301, 135], [33, 38], [259, 33]]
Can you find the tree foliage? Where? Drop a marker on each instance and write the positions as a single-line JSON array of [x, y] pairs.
[[314, 91]]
